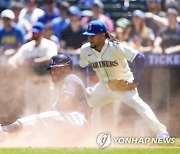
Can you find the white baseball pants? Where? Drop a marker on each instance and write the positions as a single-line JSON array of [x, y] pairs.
[[102, 95]]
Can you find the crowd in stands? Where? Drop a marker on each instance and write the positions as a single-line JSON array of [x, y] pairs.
[[156, 29]]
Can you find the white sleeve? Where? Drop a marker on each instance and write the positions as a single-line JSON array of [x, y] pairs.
[[52, 49], [83, 62], [127, 52], [19, 57]]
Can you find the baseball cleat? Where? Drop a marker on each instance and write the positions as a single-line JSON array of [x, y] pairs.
[[163, 135]]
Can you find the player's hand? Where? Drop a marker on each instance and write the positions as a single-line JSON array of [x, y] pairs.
[[89, 91], [11, 62]]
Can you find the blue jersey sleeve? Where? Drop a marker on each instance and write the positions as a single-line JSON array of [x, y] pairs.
[[139, 64]]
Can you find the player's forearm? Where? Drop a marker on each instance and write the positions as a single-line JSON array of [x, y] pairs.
[[42, 59], [139, 64], [173, 49]]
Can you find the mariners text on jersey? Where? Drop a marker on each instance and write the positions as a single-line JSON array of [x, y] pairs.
[[104, 64]]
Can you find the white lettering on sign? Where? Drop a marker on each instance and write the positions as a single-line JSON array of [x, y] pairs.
[[164, 60]]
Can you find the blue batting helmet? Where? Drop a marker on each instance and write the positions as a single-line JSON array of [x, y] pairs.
[[60, 60]]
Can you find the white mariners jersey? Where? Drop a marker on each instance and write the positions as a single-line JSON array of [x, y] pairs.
[[30, 51], [111, 63]]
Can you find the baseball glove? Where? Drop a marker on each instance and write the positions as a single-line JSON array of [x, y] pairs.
[[121, 85]]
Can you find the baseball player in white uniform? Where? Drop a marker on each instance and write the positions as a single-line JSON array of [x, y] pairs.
[[108, 58]]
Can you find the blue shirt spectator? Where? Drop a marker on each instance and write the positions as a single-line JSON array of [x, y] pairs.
[[58, 25], [11, 36], [62, 21], [47, 18], [86, 2], [50, 10], [11, 39]]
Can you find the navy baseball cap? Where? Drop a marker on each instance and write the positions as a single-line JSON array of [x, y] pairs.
[[95, 27], [59, 61], [37, 27]]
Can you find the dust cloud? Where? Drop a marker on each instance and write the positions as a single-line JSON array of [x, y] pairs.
[[115, 118]]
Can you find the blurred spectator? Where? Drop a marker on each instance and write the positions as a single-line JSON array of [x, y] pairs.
[[141, 37], [155, 16], [122, 29], [11, 36], [31, 12], [172, 4], [62, 21], [154, 6], [72, 37], [168, 39], [49, 34], [16, 7], [87, 15], [39, 50], [33, 57], [50, 10], [97, 9], [86, 3]]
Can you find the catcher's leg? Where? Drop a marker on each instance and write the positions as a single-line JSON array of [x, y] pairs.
[[132, 99]]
